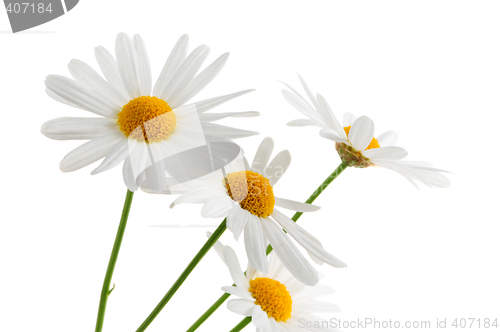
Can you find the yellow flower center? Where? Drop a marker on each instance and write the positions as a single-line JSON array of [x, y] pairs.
[[373, 144], [252, 191], [147, 119], [273, 298]]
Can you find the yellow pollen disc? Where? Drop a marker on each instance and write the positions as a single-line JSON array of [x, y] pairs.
[[373, 144], [252, 191], [273, 298], [147, 119]]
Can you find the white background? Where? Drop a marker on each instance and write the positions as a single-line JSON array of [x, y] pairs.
[[427, 69]]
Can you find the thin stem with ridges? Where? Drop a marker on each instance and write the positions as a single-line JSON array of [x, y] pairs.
[[112, 261], [177, 284], [295, 217]]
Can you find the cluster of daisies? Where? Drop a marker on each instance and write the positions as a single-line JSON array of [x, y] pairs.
[[159, 135]]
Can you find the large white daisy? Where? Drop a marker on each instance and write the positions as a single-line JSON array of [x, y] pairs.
[[138, 123], [355, 142], [244, 194], [276, 300]]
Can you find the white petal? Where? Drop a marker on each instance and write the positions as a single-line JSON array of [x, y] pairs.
[[241, 306], [79, 95], [295, 206], [210, 117], [207, 104], [173, 63], [311, 293], [301, 106], [288, 253], [319, 307], [89, 152], [255, 244], [263, 155], [217, 206], [199, 82], [145, 79], [303, 123], [128, 176], [109, 69], [388, 138], [259, 317], [361, 133], [116, 155], [386, 152], [237, 218], [349, 119], [306, 240], [308, 92], [332, 135], [330, 119], [86, 75], [277, 167], [238, 292], [78, 128], [235, 269], [128, 65], [218, 130], [196, 196], [185, 73], [59, 99]]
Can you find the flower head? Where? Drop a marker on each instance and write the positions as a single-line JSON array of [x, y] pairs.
[[355, 141], [275, 300], [139, 124], [245, 195]]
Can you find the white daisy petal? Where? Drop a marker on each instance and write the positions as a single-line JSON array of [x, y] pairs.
[[109, 69], [295, 206], [241, 306], [197, 196], [235, 269], [388, 138], [218, 130], [332, 135], [210, 117], [217, 206], [319, 307], [86, 75], [59, 99], [237, 218], [303, 123], [263, 155], [386, 152], [238, 292], [185, 73], [288, 253], [173, 63], [301, 106], [349, 119], [255, 244], [259, 317], [311, 293], [330, 119], [274, 325], [116, 155], [277, 167], [79, 95], [200, 81], [361, 133], [128, 176], [77, 128], [308, 92], [306, 240], [145, 79], [128, 65], [89, 152], [207, 104]]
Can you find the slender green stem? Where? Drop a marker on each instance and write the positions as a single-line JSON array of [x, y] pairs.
[[241, 325], [112, 262], [295, 217], [211, 241]]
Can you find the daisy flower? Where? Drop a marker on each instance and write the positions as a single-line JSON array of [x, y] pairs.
[[244, 194], [139, 124], [355, 141], [276, 300]]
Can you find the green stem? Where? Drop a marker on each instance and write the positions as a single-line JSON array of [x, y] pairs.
[[295, 217], [211, 241], [241, 325], [112, 262]]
